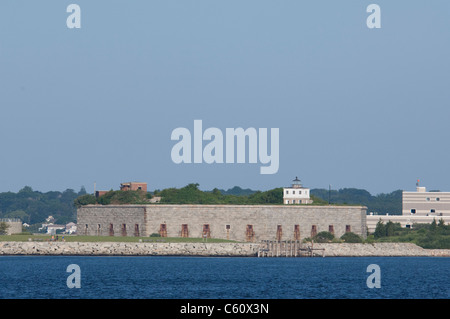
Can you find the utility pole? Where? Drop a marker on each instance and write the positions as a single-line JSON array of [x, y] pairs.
[[329, 193]]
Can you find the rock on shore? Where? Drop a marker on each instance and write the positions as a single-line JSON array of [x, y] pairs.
[[128, 249], [205, 249], [379, 249]]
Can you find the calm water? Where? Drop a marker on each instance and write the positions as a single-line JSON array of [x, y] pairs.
[[220, 278]]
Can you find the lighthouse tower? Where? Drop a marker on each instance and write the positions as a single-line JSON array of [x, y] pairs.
[[296, 194]]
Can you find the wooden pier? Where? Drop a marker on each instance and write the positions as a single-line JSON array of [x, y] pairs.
[[288, 248]]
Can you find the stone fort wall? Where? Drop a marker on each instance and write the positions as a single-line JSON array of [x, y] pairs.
[[247, 223], [14, 225], [112, 220]]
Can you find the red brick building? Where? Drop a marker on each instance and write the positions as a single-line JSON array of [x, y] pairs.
[[133, 186], [100, 193]]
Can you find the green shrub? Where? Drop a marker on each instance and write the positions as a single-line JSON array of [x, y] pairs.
[[85, 200], [351, 238], [323, 237], [3, 228]]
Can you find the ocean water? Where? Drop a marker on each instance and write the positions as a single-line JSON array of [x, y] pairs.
[[33, 277]]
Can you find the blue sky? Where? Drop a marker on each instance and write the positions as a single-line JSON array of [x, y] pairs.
[[356, 107]]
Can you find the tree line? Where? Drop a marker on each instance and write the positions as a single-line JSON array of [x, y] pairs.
[[435, 235], [34, 207], [191, 194]]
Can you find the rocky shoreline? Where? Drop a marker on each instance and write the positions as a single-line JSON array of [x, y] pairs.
[[206, 249], [380, 249], [128, 249]]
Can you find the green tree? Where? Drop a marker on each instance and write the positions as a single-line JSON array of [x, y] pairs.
[[216, 192], [318, 201], [82, 191], [380, 230], [383, 203], [433, 226], [26, 190], [273, 196], [85, 200], [3, 228], [18, 214], [389, 229]]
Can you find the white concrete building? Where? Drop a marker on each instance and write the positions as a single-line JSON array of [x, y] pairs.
[[71, 228], [51, 229], [296, 194], [419, 207], [423, 203]]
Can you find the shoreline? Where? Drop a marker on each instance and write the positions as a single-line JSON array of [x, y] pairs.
[[207, 249]]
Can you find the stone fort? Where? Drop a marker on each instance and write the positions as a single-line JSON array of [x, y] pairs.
[[247, 223]]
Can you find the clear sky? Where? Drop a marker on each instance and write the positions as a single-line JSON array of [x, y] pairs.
[[355, 107]]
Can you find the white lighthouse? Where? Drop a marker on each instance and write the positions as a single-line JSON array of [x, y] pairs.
[[296, 194]]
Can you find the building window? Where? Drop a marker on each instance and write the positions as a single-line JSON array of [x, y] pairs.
[[111, 230], [413, 211], [136, 230], [287, 192], [437, 199], [287, 202], [124, 230], [163, 230], [296, 232], [313, 230], [184, 230], [279, 232], [293, 201], [432, 211], [300, 192], [348, 228], [428, 198], [249, 233], [293, 192], [331, 229], [206, 231], [227, 227]]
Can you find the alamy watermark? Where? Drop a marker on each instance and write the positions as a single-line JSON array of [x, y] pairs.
[[74, 279], [73, 21], [373, 21], [236, 146], [374, 279]]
